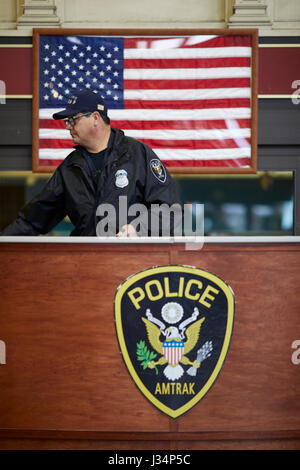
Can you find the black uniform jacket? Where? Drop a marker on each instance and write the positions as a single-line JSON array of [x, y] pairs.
[[72, 191]]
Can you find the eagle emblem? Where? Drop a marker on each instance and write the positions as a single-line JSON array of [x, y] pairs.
[[178, 342], [158, 170]]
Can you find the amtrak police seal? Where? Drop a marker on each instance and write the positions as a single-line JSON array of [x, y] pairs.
[[174, 326], [121, 179]]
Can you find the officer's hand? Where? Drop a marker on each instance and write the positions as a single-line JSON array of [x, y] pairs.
[[127, 231]]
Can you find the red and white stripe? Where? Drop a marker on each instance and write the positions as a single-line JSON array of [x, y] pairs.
[[173, 354], [188, 98]]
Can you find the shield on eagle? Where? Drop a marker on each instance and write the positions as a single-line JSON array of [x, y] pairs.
[[174, 326], [173, 350]]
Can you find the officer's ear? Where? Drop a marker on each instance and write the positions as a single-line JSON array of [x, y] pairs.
[[96, 118]]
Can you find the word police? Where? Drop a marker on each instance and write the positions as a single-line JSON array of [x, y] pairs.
[[155, 290]]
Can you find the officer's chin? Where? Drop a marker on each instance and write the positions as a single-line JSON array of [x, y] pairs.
[[73, 137]]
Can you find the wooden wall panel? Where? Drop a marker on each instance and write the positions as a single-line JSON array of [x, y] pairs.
[[278, 69], [64, 369], [17, 73], [15, 123], [83, 444], [278, 125], [278, 118], [278, 121], [258, 383], [65, 384], [278, 66]]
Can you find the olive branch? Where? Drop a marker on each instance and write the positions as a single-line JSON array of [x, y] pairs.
[[145, 356]]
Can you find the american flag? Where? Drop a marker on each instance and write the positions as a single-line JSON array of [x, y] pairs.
[[187, 97], [173, 351]]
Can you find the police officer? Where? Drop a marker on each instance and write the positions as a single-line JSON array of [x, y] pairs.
[[104, 165]]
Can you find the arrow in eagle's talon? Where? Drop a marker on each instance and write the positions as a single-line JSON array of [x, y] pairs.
[[203, 353]]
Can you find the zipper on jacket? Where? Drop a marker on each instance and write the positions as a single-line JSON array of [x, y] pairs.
[[86, 175]]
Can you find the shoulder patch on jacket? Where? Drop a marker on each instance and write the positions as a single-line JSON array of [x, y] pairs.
[[158, 170]]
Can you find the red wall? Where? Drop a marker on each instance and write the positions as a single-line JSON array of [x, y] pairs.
[[278, 68]]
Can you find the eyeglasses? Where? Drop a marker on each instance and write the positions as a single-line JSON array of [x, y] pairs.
[[71, 121]]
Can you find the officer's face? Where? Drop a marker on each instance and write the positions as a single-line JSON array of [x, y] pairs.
[[89, 131], [79, 126]]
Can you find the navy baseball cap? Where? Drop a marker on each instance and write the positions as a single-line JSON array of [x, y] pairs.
[[82, 102]]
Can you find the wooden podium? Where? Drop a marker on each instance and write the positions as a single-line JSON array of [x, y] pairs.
[[63, 381]]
